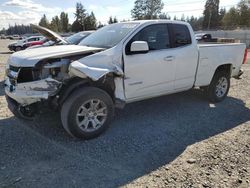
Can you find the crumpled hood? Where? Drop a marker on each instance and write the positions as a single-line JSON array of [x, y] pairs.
[[49, 34], [28, 58]]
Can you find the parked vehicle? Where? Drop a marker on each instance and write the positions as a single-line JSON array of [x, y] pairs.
[[20, 45], [58, 40], [118, 64], [15, 37], [206, 37], [78, 37], [3, 36], [33, 44]]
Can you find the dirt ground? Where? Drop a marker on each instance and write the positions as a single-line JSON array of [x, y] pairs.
[[179, 140]]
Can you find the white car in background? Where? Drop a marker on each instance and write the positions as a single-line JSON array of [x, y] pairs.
[[56, 39], [19, 45]]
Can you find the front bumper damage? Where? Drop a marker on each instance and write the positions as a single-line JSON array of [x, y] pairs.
[[31, 92]]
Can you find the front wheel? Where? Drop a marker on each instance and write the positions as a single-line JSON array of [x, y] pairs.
[[219, 87], [18, 48], [87, 113]]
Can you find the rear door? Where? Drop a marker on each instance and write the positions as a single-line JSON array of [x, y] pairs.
[[186, 56]]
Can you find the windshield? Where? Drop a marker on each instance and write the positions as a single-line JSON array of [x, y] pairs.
[[76, 38], [108, 36]]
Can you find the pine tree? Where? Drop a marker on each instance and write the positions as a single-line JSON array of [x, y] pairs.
[[147, 9], [110, 20], [115, 20], [90, 22], [44, 21], [55, 24], [80, 16], [211, 14], [64, 22]]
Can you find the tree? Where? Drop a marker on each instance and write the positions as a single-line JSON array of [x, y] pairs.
[[44, 21], [115, 20], [147, 9], [100, 25], [80, 17], [196, 23], [183, 17], [164, 16], [153, 8], [211, 14], [55, 24], [64, 22], [237, 17], [17, 29], [244, 10], [76, 26], [222, 13], [231, 18], [112, 20], [139, 10], [90, 22]]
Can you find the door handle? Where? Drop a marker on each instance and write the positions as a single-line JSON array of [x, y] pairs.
[[169, 58]]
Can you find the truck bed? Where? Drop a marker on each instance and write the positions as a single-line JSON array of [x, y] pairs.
[[212, 55]]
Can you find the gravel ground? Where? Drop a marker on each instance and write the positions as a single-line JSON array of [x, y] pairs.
[[174, 141]]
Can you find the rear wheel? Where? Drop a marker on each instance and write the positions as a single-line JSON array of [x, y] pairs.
[[87, 113], [219, 87]]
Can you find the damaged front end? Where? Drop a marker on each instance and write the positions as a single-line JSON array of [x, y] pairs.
[[27, 87], [52, 79]]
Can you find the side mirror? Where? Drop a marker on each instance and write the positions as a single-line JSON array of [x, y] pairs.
[[139, 47]]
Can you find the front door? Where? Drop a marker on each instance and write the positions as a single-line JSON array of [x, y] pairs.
[[152, 73]]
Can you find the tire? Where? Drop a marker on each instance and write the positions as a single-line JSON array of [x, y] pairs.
[[218, 89], [77, 110], [19, 111], [18, 48]]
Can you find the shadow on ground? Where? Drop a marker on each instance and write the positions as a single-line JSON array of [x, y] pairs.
[[6, 53], [143, 137], [1, 88]]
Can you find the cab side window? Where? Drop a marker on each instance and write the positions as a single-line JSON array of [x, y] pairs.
[[156, 36], [31, 39], [181, 34]]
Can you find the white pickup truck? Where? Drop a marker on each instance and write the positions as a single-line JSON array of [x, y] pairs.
[[118, 64]]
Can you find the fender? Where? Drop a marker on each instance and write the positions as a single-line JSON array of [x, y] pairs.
[[83, 71]]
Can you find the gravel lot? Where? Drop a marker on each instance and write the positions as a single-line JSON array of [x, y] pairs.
[[174, 141]]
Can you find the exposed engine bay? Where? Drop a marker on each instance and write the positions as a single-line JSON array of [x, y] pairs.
[[50, 77]]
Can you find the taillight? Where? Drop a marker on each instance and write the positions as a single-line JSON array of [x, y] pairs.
[[245, 56]]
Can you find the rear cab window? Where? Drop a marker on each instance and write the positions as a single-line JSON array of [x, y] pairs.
[[180, 35]]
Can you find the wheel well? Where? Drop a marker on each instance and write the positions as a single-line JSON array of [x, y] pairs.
[[226, 68], [106, 83]]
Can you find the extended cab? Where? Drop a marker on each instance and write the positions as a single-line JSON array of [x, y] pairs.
[[118, 64]]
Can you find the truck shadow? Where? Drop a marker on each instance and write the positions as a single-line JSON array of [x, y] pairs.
[[4, 53], [1, 88], [143, 137]]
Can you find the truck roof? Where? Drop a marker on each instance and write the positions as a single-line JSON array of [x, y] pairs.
[[157, 21]]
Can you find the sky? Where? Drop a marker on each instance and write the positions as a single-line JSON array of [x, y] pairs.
[[30, 11]]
